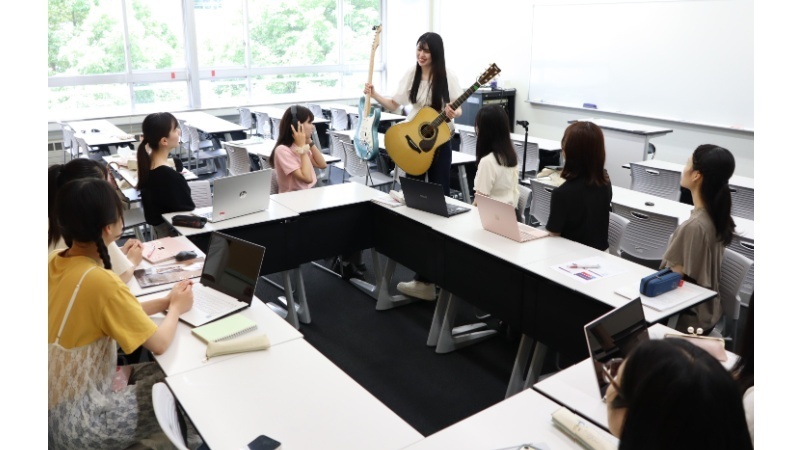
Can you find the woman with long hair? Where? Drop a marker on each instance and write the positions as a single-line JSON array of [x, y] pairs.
[[497, 175], [428, 83], [295, 156], [698, 244], [580, 207], [163, 189]]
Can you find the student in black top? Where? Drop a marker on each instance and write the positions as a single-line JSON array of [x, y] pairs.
[[579, 208], [163, 189]]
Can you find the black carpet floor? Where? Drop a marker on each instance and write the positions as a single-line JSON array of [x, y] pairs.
[[386, 351]]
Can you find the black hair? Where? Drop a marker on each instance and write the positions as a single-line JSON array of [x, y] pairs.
[[744, 371], [60, 174], [438, 84], [716, 164], [154, 127], [585, 154], [300, 115], [83, 208], [494, 136], [678, 396]]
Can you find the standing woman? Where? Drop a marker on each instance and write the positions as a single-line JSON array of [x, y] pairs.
[[698, 244], [579, 208], [497, 161], [295, 156], [428, 83], [91, 404], [163, 189]]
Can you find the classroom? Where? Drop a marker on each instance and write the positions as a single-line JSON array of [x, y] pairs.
[[484, 346]]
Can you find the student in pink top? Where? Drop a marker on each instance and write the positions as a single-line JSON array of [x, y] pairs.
[[295, 156]]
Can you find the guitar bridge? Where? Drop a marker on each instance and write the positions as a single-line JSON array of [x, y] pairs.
[[412, 144]]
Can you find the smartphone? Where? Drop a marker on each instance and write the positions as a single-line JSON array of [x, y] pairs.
[[264, 443]]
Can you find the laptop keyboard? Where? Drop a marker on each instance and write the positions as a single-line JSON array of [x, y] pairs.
[[453, 209], [211, 302]]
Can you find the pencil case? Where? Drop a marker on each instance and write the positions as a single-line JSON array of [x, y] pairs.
[[185, 220], [660, 282]]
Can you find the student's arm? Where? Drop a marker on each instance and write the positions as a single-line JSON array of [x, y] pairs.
[[305, 172], [317, 160], [558, 213], [180, 300]]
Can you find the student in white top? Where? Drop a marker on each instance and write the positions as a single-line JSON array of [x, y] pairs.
[[497, 161]]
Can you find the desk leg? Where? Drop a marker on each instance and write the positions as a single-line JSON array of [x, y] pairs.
[[386, 300], [293, 312], [462, 177], [450, 338], [438, 317], [370, 289], [519, 380]]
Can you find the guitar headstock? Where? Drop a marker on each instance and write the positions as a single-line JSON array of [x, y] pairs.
[[488, 74], [377, 40]]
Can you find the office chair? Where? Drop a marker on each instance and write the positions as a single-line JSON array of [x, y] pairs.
[[646, 236], [732, 274], [339, 120], [743, 201], [540, 210], [167, 415], [746, 247], [524, 204], [246, 120], [359, 171], [316, 109], [263, 127], [238, 161], [660, 182], [468, 142], [532, 160], [616, 229], [201, 193]]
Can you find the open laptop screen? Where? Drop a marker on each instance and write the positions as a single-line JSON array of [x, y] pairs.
[[615, 335], [232, 266]]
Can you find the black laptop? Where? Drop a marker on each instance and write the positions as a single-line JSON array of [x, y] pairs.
[[428, 197]]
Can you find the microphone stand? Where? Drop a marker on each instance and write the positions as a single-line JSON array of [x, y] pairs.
[[524, 124]]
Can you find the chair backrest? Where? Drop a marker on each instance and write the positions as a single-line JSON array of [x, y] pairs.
[[238, 161], [352, 119], [468, 142], [83, 147], [532, 160], [245, 118], [542, 193], [746, 247], [339, 119], [616, 229], [68, 133], [660, 182], [273, 188], [523, 204], [337, 149], [275, 122], [262, 124], [167, 415], [189, 135], [731, 276], [353, 165], [647, 233], [315, 109], [743, 201], [201, 193]]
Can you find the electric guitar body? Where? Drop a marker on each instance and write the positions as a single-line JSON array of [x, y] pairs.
[[365, 140], [412, 144]]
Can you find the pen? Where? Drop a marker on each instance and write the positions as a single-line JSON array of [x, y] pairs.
[[584, 266]]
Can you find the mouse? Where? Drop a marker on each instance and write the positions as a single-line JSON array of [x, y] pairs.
[[185, 255], [649, 204], [95, 130]]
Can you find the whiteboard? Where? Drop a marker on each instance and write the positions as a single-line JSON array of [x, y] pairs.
[[687, 61]]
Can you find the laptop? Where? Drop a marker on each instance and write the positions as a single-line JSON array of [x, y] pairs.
[[615, 335], [228, 280], [501, 218], [428, 197], [238, 195]]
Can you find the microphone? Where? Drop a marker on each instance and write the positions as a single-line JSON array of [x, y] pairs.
[[522, 123]]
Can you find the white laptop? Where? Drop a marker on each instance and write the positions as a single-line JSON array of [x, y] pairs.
[[238, 195], [501, 218], [228, 281]]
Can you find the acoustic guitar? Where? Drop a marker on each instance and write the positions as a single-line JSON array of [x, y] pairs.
[[411, 144], [366, 137]]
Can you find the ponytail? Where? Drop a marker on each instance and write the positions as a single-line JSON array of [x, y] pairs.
[[716, 164], [143, 164], [103, 251]]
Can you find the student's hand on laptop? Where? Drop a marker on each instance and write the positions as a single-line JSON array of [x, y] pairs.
[[181, 297]]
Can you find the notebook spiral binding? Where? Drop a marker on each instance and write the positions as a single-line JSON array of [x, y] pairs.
[[238, 333]]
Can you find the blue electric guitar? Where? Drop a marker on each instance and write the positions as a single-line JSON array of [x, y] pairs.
[[366, 138]]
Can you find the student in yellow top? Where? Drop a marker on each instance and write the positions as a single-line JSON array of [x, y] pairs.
[[90, 310]]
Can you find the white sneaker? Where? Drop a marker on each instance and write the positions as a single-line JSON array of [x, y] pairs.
[[418, 289]]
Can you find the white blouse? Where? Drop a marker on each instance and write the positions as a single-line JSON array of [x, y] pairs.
[[401, 97], [496, 181]]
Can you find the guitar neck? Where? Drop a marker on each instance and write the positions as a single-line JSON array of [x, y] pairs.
[[455, 104], [368, 103]]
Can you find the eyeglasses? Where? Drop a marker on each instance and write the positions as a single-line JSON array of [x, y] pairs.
[[610, 371]]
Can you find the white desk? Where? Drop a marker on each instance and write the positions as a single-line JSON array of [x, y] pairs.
[[576, 387], [138, 291], [522, 419], [291, 393], [326, 197], [264, 147], [625, 142], [275, 211], [187, 351], [736, 180], [385, 115], [131, 176], [106, 134], [209, 123]]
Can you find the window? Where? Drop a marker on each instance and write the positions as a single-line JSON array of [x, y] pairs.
[[137, 56]]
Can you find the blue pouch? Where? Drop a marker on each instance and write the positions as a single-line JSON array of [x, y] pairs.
[[660, 282]]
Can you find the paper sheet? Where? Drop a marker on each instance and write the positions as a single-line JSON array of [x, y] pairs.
[[667, 300], [605, 267]]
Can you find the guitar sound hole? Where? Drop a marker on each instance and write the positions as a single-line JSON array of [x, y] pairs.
[[427, 131]]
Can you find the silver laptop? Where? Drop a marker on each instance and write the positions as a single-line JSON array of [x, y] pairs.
[[615, 335], [228, 281], [501, 218], [238, 195]]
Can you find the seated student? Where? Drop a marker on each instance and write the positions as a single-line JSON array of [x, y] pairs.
[[163, 189], [579, 208], [698, 244], [295, 156], [90, 312], [123, 260], [497, 176], [671, 394]]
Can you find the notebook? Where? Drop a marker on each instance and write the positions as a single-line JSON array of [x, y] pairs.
[[228, 281], [223, 329], [238, 195], [615, 335], [501, 218], [428, 197], [163, 249]]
